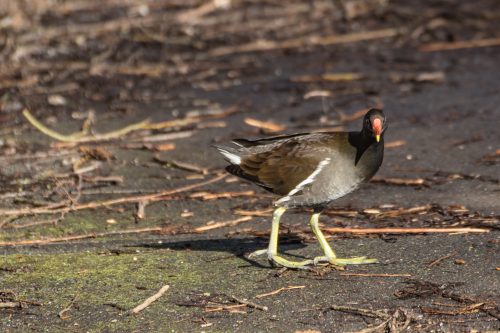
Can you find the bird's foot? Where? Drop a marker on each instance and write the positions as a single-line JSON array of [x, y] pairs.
[[257, 253], [280, 261], [345, 261]]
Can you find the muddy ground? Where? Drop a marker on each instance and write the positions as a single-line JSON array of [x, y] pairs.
[[93, 224]]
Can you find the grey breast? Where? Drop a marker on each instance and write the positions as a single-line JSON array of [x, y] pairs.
[[335, 180]]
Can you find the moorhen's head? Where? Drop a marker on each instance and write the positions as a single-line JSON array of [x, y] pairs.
[[374, 123]]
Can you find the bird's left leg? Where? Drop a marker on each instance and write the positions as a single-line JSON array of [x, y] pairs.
[[330, 255], [272, 250]]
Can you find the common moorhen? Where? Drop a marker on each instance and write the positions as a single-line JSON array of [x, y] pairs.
[[310, 170]]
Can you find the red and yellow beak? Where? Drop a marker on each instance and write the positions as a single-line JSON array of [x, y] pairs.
[[377, 128]]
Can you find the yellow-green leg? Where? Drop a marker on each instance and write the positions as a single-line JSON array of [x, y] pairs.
[[330, 256], [272, 250]]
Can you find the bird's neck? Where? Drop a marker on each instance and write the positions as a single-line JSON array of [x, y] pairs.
[[362, 141]]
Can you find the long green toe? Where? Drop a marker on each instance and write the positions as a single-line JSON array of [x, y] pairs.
[[305, 264], [345, 261]]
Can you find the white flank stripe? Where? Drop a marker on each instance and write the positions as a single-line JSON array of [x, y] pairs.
[[233, 158], [306, 181]]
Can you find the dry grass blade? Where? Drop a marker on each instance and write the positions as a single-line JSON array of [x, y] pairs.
[[85, 137], [265, 125], [473, 308], [261, 212], [80, 137], [331, 77]]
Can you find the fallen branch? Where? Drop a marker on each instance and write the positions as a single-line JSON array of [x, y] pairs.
[[268, 45], [465, 44], [404, 230], [60, 208], [150, 300]]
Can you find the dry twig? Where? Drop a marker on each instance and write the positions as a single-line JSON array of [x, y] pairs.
[[268, 45], [150, 300], [375, 275], [216, 225], [62, 314], [438, 260], [78, 237], [250, 304], [399, 181], [279, 291]]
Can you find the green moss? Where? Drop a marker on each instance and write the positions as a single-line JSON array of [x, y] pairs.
[[106, 283]]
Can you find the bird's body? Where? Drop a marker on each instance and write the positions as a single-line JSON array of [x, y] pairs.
[[310, 170], [281, 164]]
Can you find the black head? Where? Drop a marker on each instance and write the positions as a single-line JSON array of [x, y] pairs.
[[374, 123]]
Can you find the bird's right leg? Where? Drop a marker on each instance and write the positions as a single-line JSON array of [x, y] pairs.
[[272, 250], [330, 256]]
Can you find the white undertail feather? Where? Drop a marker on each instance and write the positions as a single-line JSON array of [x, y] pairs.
[[231, 157], [306, 181]]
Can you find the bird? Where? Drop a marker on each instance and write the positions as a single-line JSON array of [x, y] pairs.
[[310, 170]]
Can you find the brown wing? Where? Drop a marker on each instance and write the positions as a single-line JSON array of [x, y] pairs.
[[281, 169]]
